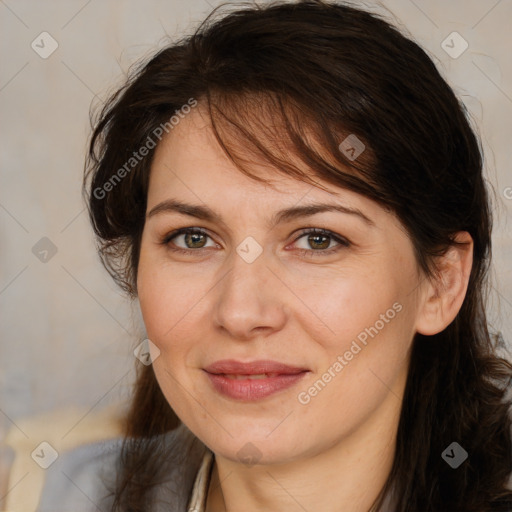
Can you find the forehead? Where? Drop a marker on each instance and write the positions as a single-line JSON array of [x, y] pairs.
[[190, 163]]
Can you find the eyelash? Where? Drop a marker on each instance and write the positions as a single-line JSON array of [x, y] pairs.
[[304, 252]]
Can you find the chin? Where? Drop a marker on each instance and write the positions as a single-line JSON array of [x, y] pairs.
[[252, 443]]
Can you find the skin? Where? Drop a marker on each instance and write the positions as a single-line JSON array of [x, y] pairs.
[[291, 306]]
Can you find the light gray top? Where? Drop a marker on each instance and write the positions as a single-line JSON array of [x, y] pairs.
[[81, 480]]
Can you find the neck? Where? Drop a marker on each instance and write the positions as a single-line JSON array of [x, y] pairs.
[[349, 476]]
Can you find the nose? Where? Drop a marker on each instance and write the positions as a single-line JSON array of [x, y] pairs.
[[249, 300]]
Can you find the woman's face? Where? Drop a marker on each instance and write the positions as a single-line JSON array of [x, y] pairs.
[[328, 319]]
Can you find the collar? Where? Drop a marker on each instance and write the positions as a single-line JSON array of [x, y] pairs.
[[197, 502]]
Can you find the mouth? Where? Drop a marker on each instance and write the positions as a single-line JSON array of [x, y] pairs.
[[250, 377], [253, 368], [253, 380]]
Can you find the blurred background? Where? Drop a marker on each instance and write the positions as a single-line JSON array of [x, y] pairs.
[[67, 333]]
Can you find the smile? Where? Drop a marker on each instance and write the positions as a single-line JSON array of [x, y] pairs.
[[253, 380]]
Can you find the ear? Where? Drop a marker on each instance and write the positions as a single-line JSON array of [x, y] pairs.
[[444, 293]]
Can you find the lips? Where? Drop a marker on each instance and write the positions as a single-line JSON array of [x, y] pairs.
[[271, 368], [254, 380]]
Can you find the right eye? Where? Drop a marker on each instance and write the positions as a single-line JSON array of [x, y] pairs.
[[193, 238]]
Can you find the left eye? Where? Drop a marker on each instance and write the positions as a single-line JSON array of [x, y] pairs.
[[320, 239]]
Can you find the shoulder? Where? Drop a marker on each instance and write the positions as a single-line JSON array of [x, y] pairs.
[[83, 479], [75, 481]]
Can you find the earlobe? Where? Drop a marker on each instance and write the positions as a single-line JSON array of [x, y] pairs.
[[444, 294]]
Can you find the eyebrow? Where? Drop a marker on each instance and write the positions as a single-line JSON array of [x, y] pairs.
[[287, 214]]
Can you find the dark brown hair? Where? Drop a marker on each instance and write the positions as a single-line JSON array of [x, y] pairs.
[[321, 71]]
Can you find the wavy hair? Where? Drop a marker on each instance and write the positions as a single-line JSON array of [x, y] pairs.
[[321, 71]]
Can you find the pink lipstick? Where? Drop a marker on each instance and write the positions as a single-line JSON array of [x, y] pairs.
[[253, 380]]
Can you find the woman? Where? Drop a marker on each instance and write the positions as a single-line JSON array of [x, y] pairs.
[[295, 197]]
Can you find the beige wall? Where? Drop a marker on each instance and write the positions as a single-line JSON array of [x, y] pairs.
[[67, 333]]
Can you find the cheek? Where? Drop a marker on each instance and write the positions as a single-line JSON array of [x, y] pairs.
[[360, 370], [153, 302], [171, 302], [348, 303], [369, 320], [155, 293], [167, 305]]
